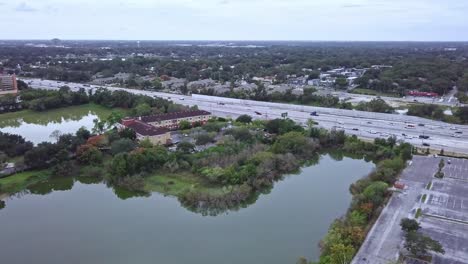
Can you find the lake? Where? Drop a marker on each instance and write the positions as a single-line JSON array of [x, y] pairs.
[[70, 221], [38, 126]]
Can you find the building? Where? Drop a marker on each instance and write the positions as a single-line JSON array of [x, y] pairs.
[[172, 120], [157, 136], [8, 84]]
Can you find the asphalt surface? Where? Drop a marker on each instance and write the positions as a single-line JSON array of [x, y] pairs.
[[367, 125], [384, 241], [444, 214]]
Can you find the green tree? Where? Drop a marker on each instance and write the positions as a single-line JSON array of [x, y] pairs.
[[122, 145], [341, 83], [409, 225], [244, 119], [341, 254], [185, 147], [127, 133], [113, 119], [184, 124], [462, 114], [119, 165], [419, 244], [293, 142], [375, 192], [88, 155], [142, 109], [204, 138]]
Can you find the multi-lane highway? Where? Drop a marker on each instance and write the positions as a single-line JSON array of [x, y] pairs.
[[451, 138]]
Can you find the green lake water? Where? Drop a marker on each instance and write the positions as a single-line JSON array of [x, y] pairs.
[[70, 221], [38, 126]]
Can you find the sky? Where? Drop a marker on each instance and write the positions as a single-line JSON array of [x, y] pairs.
[[332, 20]]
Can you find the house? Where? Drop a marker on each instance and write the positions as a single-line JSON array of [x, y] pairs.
[[172, 120], [157, 135]]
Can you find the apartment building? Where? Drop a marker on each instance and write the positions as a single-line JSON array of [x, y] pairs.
[[172, 120], [157, 136], [8, 84]]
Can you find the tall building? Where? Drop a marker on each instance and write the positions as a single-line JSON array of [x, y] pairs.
[[8, 84]]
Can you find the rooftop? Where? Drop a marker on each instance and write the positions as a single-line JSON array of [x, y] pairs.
[[143, 128], [175, 115]]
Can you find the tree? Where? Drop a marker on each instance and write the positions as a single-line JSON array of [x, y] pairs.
[[419, 244], [56, 134], [184, 124], [185, 147], [88, 155], [376, 192], [113, 118], [295, 143], [244, 119], [341, 254], [462, 114], [127, 133], [409, 225], [282, 126], [122, 145], [204, 138], [341, 82], [98, 126], [119, 166], [142, 109], [83, 133]]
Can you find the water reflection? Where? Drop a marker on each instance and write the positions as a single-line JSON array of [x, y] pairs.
[[92, 224], [38, 126], [55, 184]]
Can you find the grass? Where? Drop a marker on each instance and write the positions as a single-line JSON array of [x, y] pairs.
[[55, 115], [423, 199], [429, 185], [176, 184], [418, 213], [20, 181], [372, 92]]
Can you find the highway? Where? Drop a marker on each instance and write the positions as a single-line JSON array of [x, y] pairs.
[[366, 125]]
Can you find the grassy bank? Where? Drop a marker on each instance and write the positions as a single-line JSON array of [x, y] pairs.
[[22, 180], [177, 183]]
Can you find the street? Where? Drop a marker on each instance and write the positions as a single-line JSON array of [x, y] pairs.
[[367, 125]]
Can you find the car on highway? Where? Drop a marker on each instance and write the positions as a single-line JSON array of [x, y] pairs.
[[258, 113], [355, 129], [410, 126], [314, 113], [424, 136], [458, 132], [182, 98], [453, 128], [221, 103], [421, 125], [426, 144]]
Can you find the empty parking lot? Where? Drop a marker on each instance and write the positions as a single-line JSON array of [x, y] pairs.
[[444, 205]]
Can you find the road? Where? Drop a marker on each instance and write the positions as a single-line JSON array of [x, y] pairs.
[[367, 125]]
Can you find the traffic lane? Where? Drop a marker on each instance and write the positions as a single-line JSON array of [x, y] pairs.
[[190, 101], [328, 124]]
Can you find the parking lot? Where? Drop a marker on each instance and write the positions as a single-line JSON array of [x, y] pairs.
[[457, 169], [445, 212]]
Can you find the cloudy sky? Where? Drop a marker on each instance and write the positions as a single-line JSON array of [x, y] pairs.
[[438, 20]]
